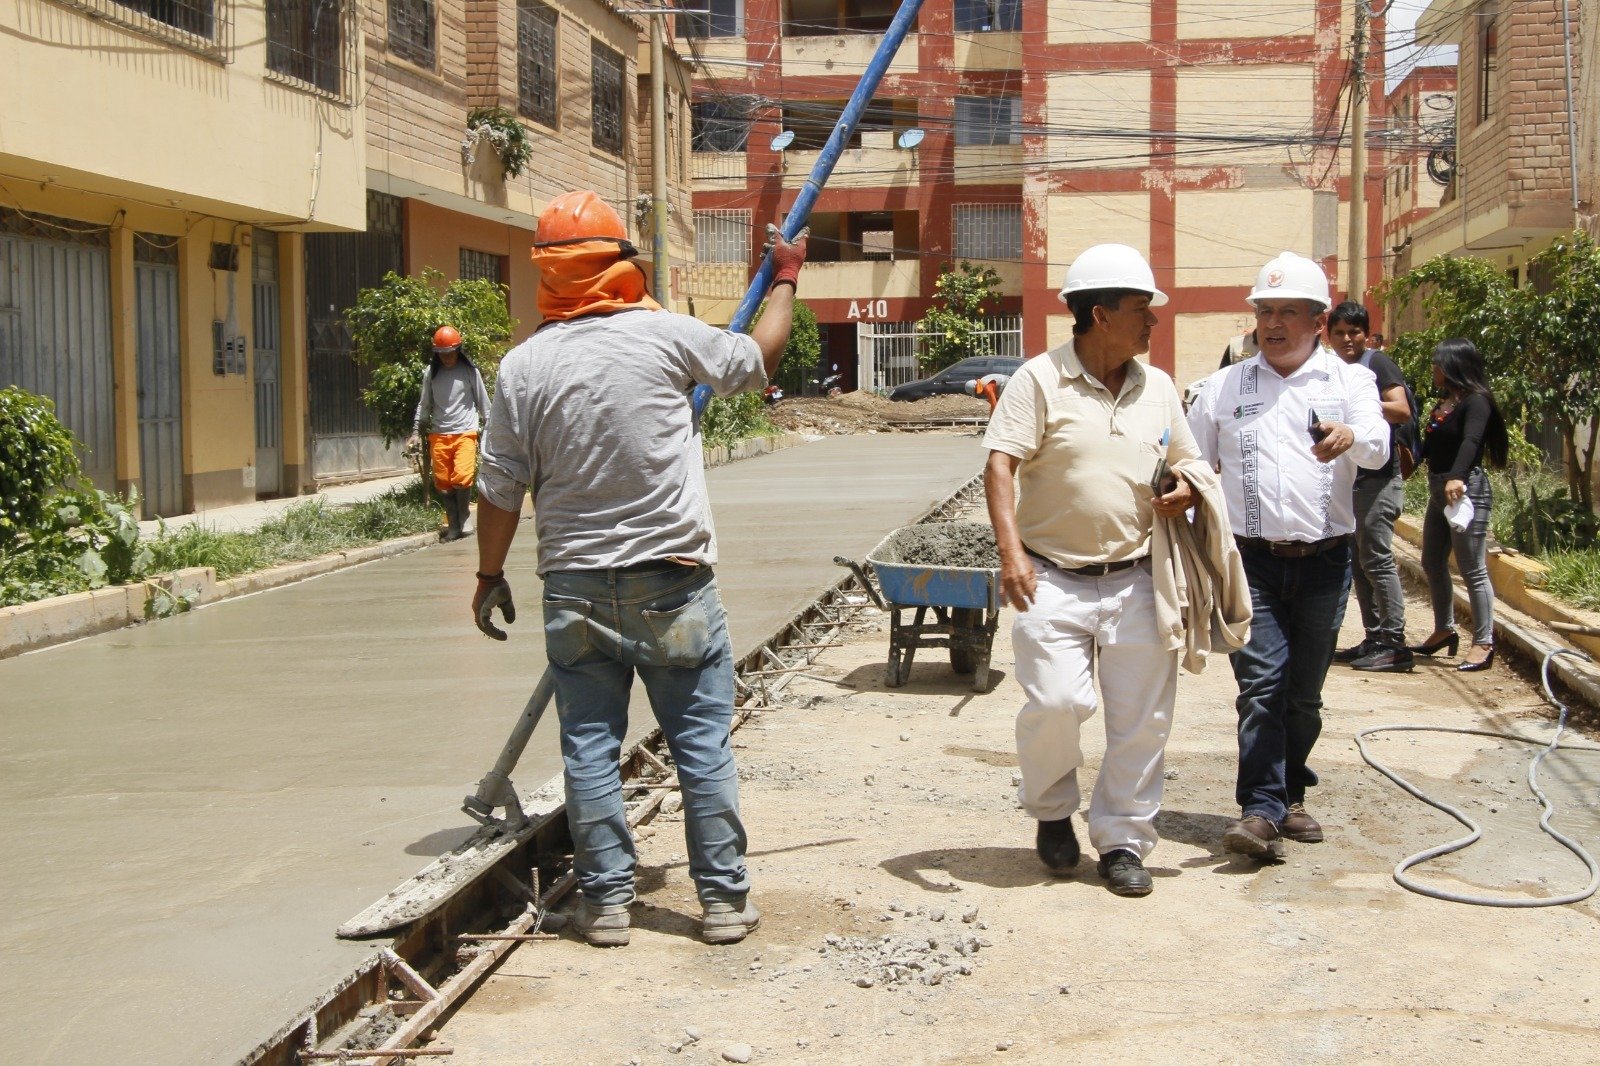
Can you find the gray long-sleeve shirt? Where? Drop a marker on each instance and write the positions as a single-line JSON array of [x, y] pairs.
[[593, 415], [453, 400]]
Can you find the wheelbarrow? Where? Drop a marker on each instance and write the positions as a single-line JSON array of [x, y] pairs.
[[964, 600]]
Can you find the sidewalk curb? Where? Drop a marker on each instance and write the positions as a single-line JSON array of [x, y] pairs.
[[1515, 627], [43, 623]]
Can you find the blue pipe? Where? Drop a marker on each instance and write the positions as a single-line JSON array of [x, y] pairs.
[[800, 212]]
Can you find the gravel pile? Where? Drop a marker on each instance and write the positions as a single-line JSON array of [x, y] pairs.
[[860, 412], [938, 956]]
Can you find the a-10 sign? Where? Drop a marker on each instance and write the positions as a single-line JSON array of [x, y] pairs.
[[871, 310]]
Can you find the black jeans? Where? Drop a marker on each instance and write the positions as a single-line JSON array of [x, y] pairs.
[[1299, 606]]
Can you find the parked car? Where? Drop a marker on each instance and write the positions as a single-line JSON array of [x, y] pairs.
[[954, 378]]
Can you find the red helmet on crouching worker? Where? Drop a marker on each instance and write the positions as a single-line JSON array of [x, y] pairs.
[[446, 339], [581, 218]]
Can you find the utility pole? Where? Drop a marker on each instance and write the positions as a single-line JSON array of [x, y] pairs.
[[658, 162], [1357, 288]]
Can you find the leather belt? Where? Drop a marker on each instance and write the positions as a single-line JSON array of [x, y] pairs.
[[1091, 570], [1293, 549]]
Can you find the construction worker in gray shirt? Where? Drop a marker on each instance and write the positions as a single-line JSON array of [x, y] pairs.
[[593, 415]]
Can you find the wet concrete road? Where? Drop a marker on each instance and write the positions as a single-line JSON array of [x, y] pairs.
[[191, 808]]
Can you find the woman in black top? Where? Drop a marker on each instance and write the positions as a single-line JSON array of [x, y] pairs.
[[1464, 427]]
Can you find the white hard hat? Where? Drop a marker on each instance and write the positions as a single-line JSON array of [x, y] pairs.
[[1292, 277], [1111, 266]]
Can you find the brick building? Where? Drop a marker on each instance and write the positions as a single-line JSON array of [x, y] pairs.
[[1419, 132], [1205, 134], [570, 73], [1513, 186]]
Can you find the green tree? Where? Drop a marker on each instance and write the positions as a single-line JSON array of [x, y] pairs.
[[393, 323], [963, 296], [1540, 343], [800, 355]]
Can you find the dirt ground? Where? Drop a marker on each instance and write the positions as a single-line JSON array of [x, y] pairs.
[[859, 412], [886, 848]]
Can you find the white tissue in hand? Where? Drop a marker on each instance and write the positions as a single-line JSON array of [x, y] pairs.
[[1459, 514]]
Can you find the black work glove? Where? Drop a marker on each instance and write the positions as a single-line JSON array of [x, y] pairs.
[[493, 592]]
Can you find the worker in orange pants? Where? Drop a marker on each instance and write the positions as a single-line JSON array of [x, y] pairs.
[[452, 410]]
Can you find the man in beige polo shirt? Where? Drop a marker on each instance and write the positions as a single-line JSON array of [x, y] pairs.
[[1085, 429]]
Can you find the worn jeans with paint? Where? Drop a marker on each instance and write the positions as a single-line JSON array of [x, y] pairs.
[[1079, 630], [1378, 503], [666, 623], [1440, 539], [1299, 607]]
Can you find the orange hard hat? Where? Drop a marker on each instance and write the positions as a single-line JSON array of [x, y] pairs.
[[446, 339], [580, 217]]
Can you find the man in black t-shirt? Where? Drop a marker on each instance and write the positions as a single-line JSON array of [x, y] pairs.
[[1379, 496]]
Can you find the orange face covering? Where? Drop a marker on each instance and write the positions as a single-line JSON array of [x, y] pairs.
[[588, 279]]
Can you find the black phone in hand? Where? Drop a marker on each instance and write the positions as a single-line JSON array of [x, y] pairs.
[[1314, 427]]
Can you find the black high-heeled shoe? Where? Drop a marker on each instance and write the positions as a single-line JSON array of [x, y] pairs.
[[1488, 661], [1452, 642]]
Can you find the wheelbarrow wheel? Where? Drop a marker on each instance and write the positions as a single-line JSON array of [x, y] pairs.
[[965, 622]]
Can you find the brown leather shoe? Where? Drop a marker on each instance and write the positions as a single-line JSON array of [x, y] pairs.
[[1299, 826], [1252, 835]]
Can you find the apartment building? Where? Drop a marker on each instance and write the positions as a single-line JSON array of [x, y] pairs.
[[160, 164], [437, 196], [1014, 135], [1515, 183], [1419, 135]]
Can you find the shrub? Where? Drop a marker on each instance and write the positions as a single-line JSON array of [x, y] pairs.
[[37, 461], [730, 419]]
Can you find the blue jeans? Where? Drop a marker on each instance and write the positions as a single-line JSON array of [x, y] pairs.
[[1299, 606], [666, 622]]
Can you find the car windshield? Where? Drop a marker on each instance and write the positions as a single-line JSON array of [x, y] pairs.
[[965, 369]]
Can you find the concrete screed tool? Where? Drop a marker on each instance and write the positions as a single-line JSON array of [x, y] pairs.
[[498, 836]]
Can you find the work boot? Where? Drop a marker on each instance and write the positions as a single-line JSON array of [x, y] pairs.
[[1356, 651], [1386, 661], [1125, 873], [1253, 835], [725, 923], [1299, 826], [603, 926], [464, 508], [1057, 845], [452, 515]]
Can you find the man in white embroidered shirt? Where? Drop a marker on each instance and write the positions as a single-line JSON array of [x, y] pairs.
[[1287, 429]]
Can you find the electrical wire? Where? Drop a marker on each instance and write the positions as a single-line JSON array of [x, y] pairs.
[[1401, 876]]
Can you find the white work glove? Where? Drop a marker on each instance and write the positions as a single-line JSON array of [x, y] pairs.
[[493, 592]]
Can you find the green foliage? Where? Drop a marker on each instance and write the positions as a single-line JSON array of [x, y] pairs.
[[962, 297], [37, 460], [1541, 343], [304, 531], [730, 419], [393, 324], [805, 344], [1574, 576], [505, 135], [86, 540]]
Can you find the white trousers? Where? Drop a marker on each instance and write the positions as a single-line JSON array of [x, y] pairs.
[[1074, 624]]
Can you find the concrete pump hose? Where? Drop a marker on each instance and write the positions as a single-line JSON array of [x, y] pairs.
[[1406, 881]]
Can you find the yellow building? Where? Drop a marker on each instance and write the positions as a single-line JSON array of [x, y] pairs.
[[159, 164], [1205, 133]]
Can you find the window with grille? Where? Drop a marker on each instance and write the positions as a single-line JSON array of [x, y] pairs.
[[605, 70], [191, 16], [988, 231], [482, 266], [718, 126], [988, 120], [411, 31], [983, 16], [305, 41], [536, 61], [722, 236], [718, 18]]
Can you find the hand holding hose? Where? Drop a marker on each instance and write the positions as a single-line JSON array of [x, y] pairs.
[[493, 591], [787, 259]]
